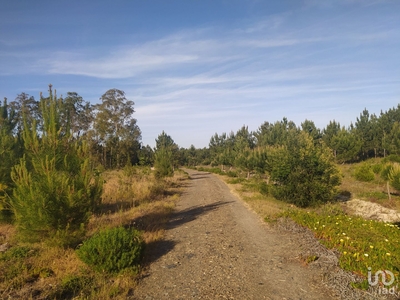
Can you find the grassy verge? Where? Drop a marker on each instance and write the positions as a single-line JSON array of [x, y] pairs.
[[253, 191], [362, 245], [131, 198]]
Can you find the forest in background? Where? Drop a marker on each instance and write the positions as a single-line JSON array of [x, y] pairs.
[[78, 187], [57, 148]]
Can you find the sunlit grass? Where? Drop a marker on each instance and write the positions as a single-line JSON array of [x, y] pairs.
[[47, 271], [361, 244], [374, 191]]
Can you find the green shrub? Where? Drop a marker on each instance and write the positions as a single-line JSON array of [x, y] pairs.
[[263, 188], [377, 168], [303, 172], [392, 158], [364, 172], [72, 285], [236, 180], [394, 176], [163, 163], [112, 250], [231, 174], [215, 170], [18, 252], [386, 171], [56, 188]]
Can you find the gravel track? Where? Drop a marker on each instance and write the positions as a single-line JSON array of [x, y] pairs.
[[216, 248]]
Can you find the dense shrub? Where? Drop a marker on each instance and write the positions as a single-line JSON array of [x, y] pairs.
[[112, 250], [394, 176], [377, 168], [236, 180], [263, 188], [303, 172], [391, 173], [56, 187], [73, 286], [386, 171], [232, 174], [392, 158], [163, 163], [364, 172]]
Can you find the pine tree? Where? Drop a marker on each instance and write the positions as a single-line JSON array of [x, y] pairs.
[[55, 186], [304, 172], [165, 155], [10, 147]]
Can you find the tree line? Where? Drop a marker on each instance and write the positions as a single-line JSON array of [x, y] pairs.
[[300, 162], [369, 136], [53, 150], [52, 153]]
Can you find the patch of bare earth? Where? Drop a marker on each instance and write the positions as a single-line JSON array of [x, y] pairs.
[[372, 211], [216, 248]]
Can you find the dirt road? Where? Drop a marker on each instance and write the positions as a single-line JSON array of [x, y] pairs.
[[216, 248]]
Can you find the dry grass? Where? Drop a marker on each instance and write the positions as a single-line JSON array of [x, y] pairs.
[[374, 191], [265, 206], [269, 208], [44, 271]]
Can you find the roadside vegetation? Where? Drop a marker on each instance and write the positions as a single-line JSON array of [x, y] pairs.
[[79, 201], [76, 184], [134, 210], [307, 174], [359, 243]]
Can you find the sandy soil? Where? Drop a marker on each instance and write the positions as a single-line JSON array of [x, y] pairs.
[[374, 211], [216, 248]]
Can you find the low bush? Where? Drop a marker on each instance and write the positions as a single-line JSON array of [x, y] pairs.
[[236, 180], [377, 168], [392, 158], [394, 176], [231, 174], [112, 250], [364, 173], [386, 169], [72, 286], [263, 188]]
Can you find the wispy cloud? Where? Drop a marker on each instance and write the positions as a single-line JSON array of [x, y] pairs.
[[288, 64]]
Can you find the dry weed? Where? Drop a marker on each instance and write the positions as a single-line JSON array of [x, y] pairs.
[[49, 272]]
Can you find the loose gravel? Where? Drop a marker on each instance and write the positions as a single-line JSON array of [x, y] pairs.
[[216, 248]]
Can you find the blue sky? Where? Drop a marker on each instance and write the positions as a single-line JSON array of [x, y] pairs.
[[195, 67]]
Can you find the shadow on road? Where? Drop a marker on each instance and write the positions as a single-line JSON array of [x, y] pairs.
[[199, 177], [187, 215], [200, 174], [157, 249]]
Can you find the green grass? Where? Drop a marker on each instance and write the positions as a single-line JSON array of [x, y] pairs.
[[362, 244]]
